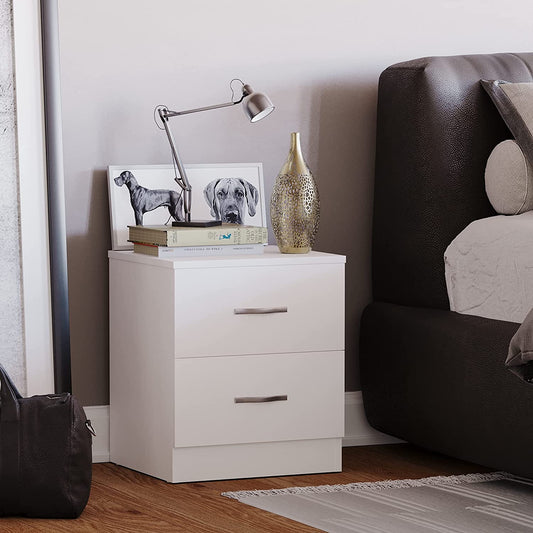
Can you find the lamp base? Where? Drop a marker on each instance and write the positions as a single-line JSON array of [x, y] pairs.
[[197, 223]]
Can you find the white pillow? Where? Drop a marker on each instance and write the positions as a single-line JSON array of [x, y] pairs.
[[509, 179]]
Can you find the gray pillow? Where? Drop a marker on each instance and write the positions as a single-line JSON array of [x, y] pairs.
[[520, 356], [509, 179], [515, 104]]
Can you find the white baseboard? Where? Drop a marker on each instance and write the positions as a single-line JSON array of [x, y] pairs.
[[357, 431], [99, 417]]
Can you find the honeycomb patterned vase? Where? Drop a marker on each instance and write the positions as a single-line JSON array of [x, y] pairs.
[[295, 204]]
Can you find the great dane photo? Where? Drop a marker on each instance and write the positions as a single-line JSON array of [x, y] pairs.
[[144, 200], [228, 199]]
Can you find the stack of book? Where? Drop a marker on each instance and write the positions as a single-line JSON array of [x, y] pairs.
[[171, 241]]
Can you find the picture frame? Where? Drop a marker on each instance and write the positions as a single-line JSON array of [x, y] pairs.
[[203, 179]]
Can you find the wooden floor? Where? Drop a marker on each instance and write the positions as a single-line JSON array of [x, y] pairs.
[[125, 501]]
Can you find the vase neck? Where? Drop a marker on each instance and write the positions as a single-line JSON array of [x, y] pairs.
[[295, 161], [295, 143]]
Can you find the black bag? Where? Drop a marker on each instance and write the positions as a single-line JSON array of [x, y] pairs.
[[45, 454]]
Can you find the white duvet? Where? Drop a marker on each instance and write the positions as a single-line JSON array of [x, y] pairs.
[[489, 268]]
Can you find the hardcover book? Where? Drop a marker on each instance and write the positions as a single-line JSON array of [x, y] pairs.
[[192, 251], [226, 234]]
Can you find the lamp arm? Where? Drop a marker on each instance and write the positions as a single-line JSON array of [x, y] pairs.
[[167, 113], [182, 180]]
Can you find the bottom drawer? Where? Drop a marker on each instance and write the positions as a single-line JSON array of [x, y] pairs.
[[259, 398]]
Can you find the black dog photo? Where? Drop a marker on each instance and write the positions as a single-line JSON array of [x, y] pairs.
[[143, 199]]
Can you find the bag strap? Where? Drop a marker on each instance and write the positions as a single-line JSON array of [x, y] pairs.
[[9, 445]]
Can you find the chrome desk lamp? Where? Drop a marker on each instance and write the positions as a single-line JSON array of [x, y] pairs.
[[255, 106]]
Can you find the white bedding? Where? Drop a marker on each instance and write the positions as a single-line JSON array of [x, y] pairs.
[[489, 268]]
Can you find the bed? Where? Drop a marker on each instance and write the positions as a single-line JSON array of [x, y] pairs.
[[488, 268], [429, 375]]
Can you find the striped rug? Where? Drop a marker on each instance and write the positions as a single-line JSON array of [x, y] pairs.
[[472, 503]]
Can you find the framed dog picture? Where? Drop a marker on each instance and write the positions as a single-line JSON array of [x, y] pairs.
[[148, 195]]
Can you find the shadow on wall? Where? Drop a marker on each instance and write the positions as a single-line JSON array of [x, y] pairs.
[[89, 314], [346, 128], [342, 134]]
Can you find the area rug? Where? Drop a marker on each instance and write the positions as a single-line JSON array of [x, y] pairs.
[[471, 503]]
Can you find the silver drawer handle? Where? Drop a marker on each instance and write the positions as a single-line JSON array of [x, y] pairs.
[[260, 399], [259, 310]]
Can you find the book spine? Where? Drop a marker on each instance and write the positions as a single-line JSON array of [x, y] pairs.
[[192, 251], [209, 237]]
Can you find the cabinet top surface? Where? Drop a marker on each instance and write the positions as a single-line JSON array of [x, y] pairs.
[[271, 256]]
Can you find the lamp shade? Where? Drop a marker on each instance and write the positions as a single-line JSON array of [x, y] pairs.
[[256, 105]]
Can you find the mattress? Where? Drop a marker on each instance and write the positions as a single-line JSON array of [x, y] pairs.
[[489, 268]]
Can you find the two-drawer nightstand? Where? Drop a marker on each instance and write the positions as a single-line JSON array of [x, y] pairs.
[[227, 367]]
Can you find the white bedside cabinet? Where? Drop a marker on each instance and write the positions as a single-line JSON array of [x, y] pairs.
[[227, 367]]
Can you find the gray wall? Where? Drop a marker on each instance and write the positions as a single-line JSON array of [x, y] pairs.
[[318, 61], [11, 314]]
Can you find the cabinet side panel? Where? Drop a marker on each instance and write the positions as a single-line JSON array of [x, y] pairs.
[[141, 367]]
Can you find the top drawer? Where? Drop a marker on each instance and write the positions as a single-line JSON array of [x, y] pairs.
[[254, 310]]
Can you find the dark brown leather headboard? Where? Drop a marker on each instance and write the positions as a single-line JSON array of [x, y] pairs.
[[436, 128]]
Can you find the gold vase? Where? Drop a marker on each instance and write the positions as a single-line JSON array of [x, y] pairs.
[[295, 205]]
